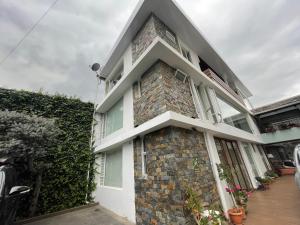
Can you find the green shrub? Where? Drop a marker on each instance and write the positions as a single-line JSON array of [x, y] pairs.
[[65, 183]]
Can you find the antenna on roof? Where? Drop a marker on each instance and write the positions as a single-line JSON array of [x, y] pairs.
[[96, 67]]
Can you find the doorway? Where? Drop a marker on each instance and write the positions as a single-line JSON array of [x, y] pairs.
[[230, 155]]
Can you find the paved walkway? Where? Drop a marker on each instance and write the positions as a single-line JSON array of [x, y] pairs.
[[280, 205], [90, 216]]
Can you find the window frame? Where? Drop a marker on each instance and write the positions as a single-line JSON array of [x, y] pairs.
[[144, 158], [106, 118], [103, 171]]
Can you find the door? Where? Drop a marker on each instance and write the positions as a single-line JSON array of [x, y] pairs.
[[230, 155]]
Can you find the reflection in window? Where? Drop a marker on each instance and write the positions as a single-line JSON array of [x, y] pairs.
[[232, 116], [248, 149], [113, 168], [114, 118]]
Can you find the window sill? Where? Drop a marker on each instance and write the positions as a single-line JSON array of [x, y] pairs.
[[112, 188]]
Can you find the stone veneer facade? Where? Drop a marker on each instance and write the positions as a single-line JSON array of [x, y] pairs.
[[170, 155], [152, 28], [161, 91], [170, 151]]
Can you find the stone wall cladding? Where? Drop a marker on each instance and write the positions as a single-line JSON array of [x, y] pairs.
[[161, 91], [177, 93], [151, 103], [152, 28], [170, 155]]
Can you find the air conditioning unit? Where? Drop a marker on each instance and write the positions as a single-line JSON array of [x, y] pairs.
[[180, 75]]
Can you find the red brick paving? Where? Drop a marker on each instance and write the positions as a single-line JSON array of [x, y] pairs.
[[280, 205]]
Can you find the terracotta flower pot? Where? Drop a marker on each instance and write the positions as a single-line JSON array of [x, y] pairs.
[[236, 216], [244, 213], [287, 171]]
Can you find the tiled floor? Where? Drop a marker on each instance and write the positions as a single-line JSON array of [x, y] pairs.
[[280, 205]]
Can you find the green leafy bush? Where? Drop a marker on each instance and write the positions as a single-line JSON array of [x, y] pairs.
[[65, 183]]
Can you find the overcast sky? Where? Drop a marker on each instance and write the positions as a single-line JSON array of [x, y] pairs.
[[259, 40]]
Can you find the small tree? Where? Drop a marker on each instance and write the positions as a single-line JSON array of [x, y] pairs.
[[28, 141]]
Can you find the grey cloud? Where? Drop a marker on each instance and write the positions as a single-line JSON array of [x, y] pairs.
[[259, 40]]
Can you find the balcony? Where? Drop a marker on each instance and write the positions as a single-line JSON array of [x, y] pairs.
[[287, 130], [217, 79]]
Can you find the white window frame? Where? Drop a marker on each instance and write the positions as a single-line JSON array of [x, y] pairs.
[[186, 53], [102, 160], [196, 99], [105, 119], [102, 172]]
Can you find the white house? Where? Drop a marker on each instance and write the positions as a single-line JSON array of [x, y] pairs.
[[170, 100]]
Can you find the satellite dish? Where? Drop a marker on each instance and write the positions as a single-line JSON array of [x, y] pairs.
[[95, 67]]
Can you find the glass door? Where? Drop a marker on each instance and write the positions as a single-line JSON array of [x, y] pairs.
[[230, 155]]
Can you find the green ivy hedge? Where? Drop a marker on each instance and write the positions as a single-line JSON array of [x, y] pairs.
[[65, 183]]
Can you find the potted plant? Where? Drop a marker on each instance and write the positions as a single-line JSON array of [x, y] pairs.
[[264, 183], [201, 215]]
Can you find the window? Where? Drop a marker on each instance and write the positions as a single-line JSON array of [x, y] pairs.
[[144, 158], [186, 54], [209, 112], [114, 118], [248, 149], [137, 90], [113, 168], [171, 36], [2, 182], [233, 116], [115, 78]]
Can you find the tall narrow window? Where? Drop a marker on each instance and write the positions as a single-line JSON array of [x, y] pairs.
[[101, 170], [186, 53], [113, 168], [114, 118], [248, 150], [144, 158]]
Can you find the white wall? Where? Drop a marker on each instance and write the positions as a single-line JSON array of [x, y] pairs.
[[120, 200]]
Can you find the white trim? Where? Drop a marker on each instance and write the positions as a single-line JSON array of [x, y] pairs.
[[170, 118], [214, 160], [196, 100], [160, 49], [113, 188]]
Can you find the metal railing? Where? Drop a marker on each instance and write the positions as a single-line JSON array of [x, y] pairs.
[[215, 77]]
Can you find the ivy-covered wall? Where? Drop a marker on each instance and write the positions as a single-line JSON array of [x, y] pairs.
[[65, 182]]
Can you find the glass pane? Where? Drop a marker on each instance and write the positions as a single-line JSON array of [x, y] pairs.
[[263, 156], [242, 164], [232, 116], [235, 165], [113, 168], [114, 118], [248, 150], [2, 182]]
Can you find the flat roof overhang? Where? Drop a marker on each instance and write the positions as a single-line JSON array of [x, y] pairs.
[[161, 50], [170, 118], [172, 15]]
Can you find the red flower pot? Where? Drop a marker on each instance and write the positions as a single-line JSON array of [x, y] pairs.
[[236, 216]]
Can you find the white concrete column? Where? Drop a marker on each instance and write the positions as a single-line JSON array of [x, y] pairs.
[[214, 160]]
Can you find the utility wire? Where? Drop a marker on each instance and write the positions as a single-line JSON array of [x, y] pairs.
[[28, 32]]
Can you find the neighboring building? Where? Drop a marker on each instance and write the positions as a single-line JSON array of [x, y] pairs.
[[279, 124], [170, 101]]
